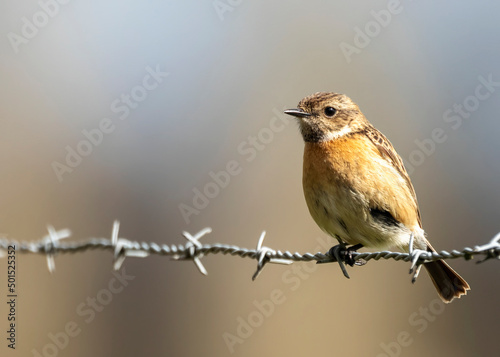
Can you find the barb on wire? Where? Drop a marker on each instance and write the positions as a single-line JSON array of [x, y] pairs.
[[191, 245], [415, 255], [51, 241], [263, 256], [490, 248], [122, 248]]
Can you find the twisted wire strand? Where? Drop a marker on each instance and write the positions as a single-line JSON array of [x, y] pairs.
[[225, 249], [53, 243]]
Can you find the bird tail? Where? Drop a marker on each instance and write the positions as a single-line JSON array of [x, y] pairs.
[[448, 283]]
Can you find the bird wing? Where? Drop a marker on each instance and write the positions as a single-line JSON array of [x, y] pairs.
[[388, 152]]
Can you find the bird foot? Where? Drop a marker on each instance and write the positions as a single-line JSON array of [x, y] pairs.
[[343, 254]]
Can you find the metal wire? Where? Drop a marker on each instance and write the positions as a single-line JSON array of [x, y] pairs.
[[53, 243]]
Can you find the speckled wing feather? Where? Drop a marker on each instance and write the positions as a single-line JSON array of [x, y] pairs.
[[387, 151]]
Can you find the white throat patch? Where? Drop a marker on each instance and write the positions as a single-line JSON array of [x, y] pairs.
[[338, 134]]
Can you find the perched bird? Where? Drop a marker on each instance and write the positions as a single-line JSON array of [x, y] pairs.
[[357, 188]]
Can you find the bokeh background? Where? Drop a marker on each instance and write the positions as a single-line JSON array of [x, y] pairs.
[[232, 66]]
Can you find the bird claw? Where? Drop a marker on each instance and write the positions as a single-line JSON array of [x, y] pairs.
[[343, 254]]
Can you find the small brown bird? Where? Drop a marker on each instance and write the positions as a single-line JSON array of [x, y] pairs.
[[357, 188]]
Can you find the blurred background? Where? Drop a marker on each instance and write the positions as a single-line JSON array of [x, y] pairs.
[[128, 110]]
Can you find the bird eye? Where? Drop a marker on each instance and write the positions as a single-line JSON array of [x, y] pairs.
[[330, 111]]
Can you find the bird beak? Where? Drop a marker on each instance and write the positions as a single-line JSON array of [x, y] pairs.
[[299, 113]]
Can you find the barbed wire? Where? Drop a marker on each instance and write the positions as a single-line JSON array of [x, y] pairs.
[[122, 248]]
